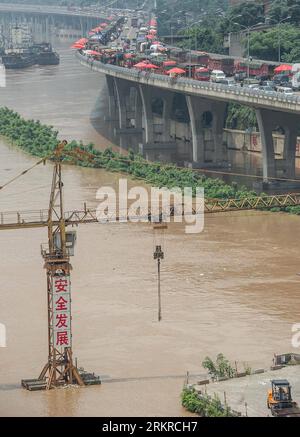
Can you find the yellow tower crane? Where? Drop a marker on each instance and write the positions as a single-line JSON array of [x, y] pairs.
[[59, 369]]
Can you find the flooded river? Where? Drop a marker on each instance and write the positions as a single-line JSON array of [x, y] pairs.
[[234, 288]]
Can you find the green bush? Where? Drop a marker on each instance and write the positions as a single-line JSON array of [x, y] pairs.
[[203, 404], [221, 368], [40, 140]]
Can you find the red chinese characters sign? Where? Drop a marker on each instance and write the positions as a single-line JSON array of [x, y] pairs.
[[61, 299]]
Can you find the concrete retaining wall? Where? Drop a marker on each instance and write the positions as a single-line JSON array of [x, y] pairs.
[[233, 138], [237, 139]]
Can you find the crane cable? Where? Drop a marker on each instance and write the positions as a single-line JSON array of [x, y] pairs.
[[25, 171], [56, 153]]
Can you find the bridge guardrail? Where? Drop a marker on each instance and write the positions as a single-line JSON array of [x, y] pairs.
[[236, 90]]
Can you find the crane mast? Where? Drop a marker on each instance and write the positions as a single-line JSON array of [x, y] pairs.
[[59, 368]]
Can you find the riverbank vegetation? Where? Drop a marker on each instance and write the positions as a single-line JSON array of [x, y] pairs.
[[203, 404], [221, 368], [40, 140]]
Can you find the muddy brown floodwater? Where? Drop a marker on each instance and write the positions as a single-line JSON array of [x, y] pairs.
[[234, 288]]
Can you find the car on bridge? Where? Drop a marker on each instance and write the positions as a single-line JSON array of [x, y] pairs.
[[267, 89], [228, 82], [287, 91], [217, 76], [268, 83]]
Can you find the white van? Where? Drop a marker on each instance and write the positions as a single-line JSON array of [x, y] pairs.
[[217, 75]]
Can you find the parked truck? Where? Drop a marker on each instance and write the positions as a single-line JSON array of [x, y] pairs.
[[296, 77]]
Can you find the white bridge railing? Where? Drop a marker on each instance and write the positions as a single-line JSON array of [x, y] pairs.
[[288, 103]]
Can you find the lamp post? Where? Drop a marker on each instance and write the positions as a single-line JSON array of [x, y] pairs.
[[248, 29], [190, 44], [159, 255], [278, 25], [170, 21]]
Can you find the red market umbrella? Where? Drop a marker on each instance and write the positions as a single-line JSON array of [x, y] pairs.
[[283, 67], [176, 70], [150, 66], [129, 55], [92, 52], [168, 63], [103, 24], [77, 46], [143, 65], [91, 33], [150, 36], [81, 41], [139, 65], [153, 31]]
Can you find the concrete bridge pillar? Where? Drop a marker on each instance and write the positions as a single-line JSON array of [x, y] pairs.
[[111, 97], [122, 91], [265, 125], [289, 152], [146, 97], [196, 127], [269, 121], [138, 110], [207, 122]]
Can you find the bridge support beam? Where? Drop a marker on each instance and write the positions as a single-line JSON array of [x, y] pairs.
[[207, 120], [138, 110], [146, 97], [125, 100], [122, 92], [197, 134], [111, 98], [269, 121], [289, 152]]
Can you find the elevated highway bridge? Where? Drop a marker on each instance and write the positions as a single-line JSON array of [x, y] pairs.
[[273, 110], [206, 102], [43, 17], [48, 10]]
